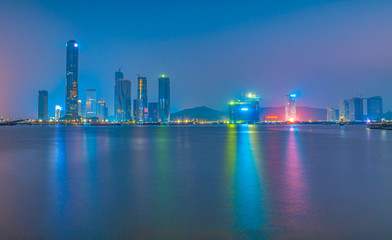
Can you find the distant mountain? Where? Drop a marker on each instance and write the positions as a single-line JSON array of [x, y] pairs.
[[200, 113], [278, 113]]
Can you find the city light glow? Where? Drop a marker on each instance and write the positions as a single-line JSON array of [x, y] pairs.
[[244, 109]]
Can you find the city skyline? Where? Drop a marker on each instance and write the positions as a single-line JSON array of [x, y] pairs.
[[314, 48]]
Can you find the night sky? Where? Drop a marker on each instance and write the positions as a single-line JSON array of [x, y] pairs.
[[323, 50]]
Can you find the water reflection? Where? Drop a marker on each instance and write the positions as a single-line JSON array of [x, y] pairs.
[[242, 170], [295, 189]]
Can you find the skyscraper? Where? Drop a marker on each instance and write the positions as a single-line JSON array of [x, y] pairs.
[[142, 94], [124, 100], [374, 108], [71, 91], [117, 76], [91, 103], [290, 108], [79, 108], [332, 114], [153, 110], [164, 98], [102, 111], [43, 105], [138, 110], [57, 113], [355, 109]]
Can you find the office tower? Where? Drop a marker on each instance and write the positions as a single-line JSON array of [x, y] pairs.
[[91, 103], [142, 94], [117, 76], [71, 92], [138, 113], [332, 114], [102, 111], [79, 108], [153, 110], [245, 111], [342, 110], [290, 108], [43, 105], [57, 113], [355, 109], [164, 98], [374, 108], [124, 100]]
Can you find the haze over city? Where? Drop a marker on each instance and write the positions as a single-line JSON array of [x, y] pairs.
[[323, 50]]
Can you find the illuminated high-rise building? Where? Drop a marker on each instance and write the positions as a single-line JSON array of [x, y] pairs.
[[43, 105], [91, 103], [164, 98], [246, 110], [332, 114], [374, 108], [153, 110], [71, 91], [57, 113], [355, 109], [138, 110], [102, 111], [79, 108], [142, 94], [290, 108], [124, 100], [117, 76]]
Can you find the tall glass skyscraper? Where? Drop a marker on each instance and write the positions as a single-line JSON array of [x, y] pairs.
[[290, 108], [71, 91], [91, 103], [124, 100], [355, 109], [138, 110], [153, 108], [142, 94], [374, 108], [43, 105], [117, 76], [164, 98]]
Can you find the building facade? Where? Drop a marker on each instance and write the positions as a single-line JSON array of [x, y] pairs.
[[245, 111], [153, 112], [117, 76], [71, 91], [355, 109], [164, 98], [290, 108], [142, 94], [43, 105], [124, 100], [374, 108], [332, 114], [57, 113], [102, 111], [138, 113], [91, 103]]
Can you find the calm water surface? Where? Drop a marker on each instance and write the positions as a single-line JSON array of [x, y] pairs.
[[240, 182]]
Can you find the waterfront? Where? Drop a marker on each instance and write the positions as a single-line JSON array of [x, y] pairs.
[[193, 182]]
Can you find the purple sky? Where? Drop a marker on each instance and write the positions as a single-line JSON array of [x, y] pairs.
[[323, 50]]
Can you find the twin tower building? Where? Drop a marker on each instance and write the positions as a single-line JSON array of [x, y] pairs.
[[143, 111]]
